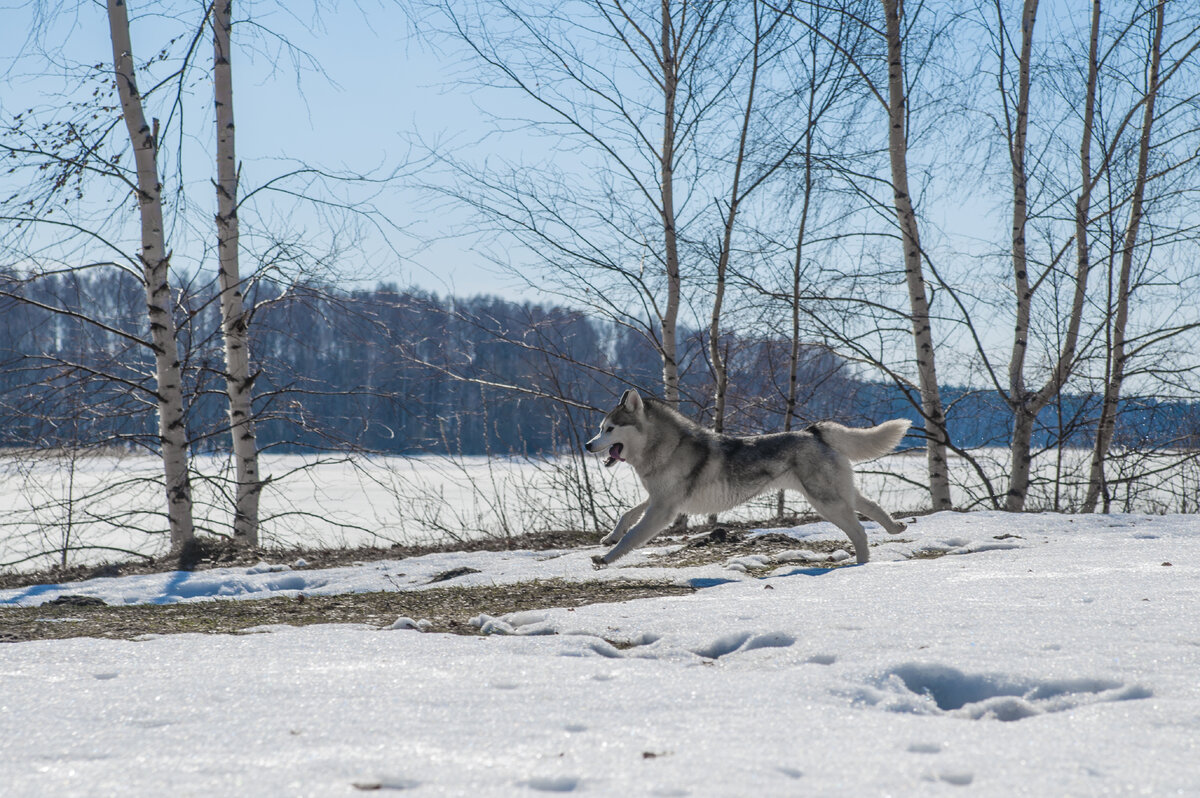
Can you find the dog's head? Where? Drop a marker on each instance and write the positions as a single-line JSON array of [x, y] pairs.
[[622, 429]]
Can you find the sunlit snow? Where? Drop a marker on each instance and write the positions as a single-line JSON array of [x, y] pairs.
[[1043, 655]]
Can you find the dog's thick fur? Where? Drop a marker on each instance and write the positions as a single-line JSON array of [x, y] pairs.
[[688, 469]]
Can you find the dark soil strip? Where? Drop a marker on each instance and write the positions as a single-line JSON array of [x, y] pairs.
[[447, 608]]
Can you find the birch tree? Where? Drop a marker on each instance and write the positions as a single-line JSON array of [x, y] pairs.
[[759, 38], [1117, 354], [238, 380], [826, 75], [1064, 207], [155, 260], [1027, 404], [1035, 275], [914, 277], [625, 93], [671, 50]]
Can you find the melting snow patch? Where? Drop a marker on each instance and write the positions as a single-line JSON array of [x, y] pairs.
[[750, 562], [984, 545], [404, 622], [800, 555], [530, 622], [264, 567], [490, 626], [758, 562]]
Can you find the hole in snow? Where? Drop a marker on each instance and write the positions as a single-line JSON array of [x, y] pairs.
[[743, 641], [769, 640], [726, 644], [385, 783], [952, 689], [553, 783], [924, 748], [914, 687], [822, 659], [960, 778]]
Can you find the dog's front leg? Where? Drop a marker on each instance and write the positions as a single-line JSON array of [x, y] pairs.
[[624, 523], [656, 518]]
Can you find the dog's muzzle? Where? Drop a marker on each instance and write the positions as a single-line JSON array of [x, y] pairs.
[[614, 451]]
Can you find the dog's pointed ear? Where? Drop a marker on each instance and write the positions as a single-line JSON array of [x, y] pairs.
[[631, 400]]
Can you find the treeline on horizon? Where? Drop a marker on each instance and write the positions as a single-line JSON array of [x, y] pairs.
[[408, 372]]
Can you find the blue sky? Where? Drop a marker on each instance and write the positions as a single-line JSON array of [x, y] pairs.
[[358, 92], [381, 92]]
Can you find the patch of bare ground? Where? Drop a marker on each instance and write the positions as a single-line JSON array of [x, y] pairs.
[[448, 609], [722, 543], [208, 552]]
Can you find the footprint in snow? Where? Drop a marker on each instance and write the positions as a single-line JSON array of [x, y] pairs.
[[743, 641], [385, 783], [553, 783], [960, 778], [924, 748], [930, 688]]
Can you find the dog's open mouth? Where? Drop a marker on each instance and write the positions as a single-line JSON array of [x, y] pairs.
[[614, 454]]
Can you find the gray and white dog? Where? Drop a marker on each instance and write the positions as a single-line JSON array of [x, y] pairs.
[[688, 469]]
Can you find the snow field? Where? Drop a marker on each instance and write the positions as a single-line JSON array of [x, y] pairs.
[[337, 502], [1060, 659]]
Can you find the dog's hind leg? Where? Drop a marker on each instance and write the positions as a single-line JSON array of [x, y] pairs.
[[839, 513], [655, 519], [624, 523], [877, 514]]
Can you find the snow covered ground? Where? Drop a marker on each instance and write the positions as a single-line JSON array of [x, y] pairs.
[[1043, 656]]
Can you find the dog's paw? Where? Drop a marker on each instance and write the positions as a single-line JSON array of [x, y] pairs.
[[598, 562], [900, 527], [608, 539]]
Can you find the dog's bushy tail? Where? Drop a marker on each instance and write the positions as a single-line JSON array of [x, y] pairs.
[[864, 444]]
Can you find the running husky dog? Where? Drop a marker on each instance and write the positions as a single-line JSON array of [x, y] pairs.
[[688, 469]]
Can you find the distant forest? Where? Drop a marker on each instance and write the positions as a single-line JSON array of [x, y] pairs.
[[394, 371]]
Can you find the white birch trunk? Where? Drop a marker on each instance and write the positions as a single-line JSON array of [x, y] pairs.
[[720, 370], [1024, 406], [238, 381], [155, 265], [1117, 356], [793, 394], [931, 402], [670, 316]]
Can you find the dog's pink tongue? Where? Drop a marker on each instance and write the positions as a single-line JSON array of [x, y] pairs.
[[614, 454]]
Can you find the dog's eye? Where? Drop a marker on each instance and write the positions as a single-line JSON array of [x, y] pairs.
[[610, 428]]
